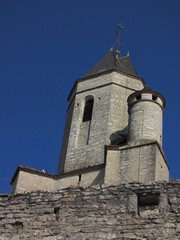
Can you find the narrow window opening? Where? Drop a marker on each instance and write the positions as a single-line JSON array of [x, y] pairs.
[[87, 142], [88, 110], [138, 97], [154, 98], [56, 212], [79, 181]]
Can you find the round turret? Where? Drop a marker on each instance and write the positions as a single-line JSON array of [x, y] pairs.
[[145, 115]]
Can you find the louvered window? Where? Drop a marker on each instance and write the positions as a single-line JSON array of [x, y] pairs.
[[88, 110]]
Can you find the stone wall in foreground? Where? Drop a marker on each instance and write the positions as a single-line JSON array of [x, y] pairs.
[[133, 211]]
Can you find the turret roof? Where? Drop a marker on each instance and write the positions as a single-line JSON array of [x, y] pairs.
[[147, 89], [110, 62]]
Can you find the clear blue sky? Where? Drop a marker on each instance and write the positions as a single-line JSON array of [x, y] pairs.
[[45, 45]]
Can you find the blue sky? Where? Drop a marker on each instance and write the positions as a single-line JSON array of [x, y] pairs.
[[45, 45]]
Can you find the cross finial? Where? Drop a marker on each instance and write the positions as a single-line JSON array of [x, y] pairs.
[[120, 26]]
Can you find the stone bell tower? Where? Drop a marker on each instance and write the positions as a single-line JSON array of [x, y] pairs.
[[112, 134], [97, 109]]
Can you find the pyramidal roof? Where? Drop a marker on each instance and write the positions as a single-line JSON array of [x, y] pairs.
[[110, 62]]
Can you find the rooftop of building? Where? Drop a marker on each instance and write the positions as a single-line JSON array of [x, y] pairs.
[[111, 61]]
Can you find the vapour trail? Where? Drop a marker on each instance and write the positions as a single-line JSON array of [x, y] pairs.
[[50, 79]]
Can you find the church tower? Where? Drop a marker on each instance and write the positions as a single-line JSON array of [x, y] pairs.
[[112, 135], [97, 109]]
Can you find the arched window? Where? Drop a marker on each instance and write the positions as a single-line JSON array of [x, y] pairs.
[[88, 110]]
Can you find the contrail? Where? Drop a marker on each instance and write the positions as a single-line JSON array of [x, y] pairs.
[[49, 78], [4, 180]]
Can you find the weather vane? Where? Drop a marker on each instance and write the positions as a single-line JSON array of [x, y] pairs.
[[120, 26]]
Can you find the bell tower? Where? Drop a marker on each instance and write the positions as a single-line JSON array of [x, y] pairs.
[[97, 109], [112, 134]]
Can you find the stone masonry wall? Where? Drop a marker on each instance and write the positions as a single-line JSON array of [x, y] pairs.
[[125, 212], [66, 137], [162, 172], [141, 161], [145, 121], [110, 93], [34, 181]]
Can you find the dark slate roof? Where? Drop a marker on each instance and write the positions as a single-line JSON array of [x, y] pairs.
[[110, 62]]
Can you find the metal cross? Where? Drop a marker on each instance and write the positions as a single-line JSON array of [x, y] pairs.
[[120, 26]]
